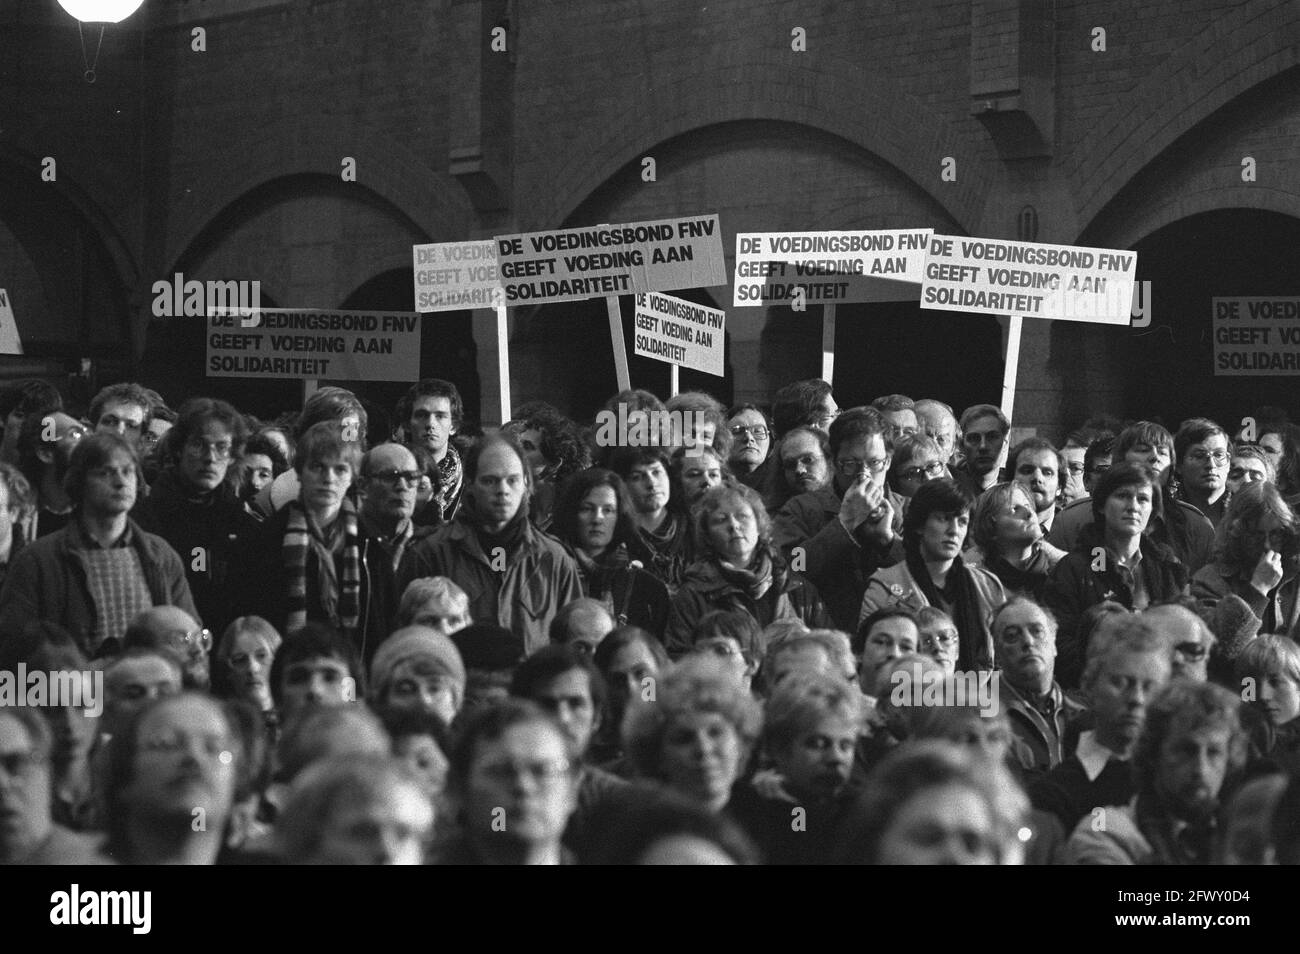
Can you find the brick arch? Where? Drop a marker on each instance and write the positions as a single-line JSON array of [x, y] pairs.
[[1260, 40], [431, 200], [840, 98], [1241, 196]]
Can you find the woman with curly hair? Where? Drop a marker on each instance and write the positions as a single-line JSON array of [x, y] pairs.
[[1257, 557], [739, 569], [696, 733]]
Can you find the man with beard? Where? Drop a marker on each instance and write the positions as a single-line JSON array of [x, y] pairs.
[[1024, 638], [983, 433], [45, 446], [841, 534], [1037, 466], [1189, 751], [802, 465], [96, 574], [515, 575], [196, 509], [432, 411], [1120, 680]]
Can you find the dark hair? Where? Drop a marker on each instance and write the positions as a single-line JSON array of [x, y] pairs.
[[1038, 444], [797, 403], [194, 415], [856, 423], [624, 459], [564, 516], [331, 405], [431, 387], [1182, 706], [551, 662], [1196, 430], [259, 443], [127, 392], [1288, 466], [1248, 507], [93, 451], [943, 496], [561, 440], [975, 411], [489, 724], [1142, 432], [1125, 474], [315, 641], [404, 723], [30, 396], [732, 624], [620, 639], [895, 611], [622, 830], [1101, 447]]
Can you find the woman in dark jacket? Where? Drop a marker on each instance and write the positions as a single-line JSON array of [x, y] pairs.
[[1115, 560], [739, 569], [591, 518]]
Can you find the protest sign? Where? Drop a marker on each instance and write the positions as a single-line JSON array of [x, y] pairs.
[[611, 260], [9, 340], [312, 344], [680, 332], [450, 276], [1256, 336]]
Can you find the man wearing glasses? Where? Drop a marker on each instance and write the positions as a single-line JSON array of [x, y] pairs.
[[169, 629], [196, 508], [838, 536], [100, 571], [390, 479], [1202, 454]]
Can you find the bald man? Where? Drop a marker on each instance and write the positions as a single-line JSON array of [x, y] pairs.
[[581, 625], [171, 629]]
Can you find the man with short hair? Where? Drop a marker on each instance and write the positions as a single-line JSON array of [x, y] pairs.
[[132, 681], [45, 446], [95, 575], [197, 510], [885, 635], [1037, 466], [1096, 461], [515, 575], [1073, 453], [841, 534], [314, 666], [1120, 680], [581, 625], [171, 629], [431, 412], [123, 409], [1024, 638], [938, 421], [899, 412], [19, 401], [984, 431], [1190, 750], [802, 465], [1201, 457]]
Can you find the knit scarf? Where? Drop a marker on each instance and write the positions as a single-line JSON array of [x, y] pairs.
[[450, 479], [964, 607], [508, 537], [340, 599], [754, 581], [599, 572]]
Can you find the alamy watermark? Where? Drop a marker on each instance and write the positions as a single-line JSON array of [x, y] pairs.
[[635, 427], [60, 689], [181, 298], [915, 686]]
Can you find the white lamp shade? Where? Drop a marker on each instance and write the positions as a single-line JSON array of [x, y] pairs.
[[101, 11]]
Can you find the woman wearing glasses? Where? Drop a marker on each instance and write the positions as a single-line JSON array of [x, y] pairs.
[[916, 460], [1257, 557], [194, 504], [739, 569]]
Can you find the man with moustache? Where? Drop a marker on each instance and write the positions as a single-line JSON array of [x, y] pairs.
[[802, 465], [1189, 751], [195, 508], [45, 445], [840, 535], [101, 570], [1120, 681], [1024, 638], [432, 411], [516, 576]]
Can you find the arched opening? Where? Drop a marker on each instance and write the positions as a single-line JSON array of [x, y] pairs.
[[1168, 368]]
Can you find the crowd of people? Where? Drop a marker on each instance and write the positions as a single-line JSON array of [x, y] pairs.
[[785, 634]]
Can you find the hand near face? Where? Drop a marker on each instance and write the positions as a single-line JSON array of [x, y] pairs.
[[861, 498], [1268, 571]]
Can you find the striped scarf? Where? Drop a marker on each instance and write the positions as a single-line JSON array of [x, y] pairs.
[[342, 599]]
